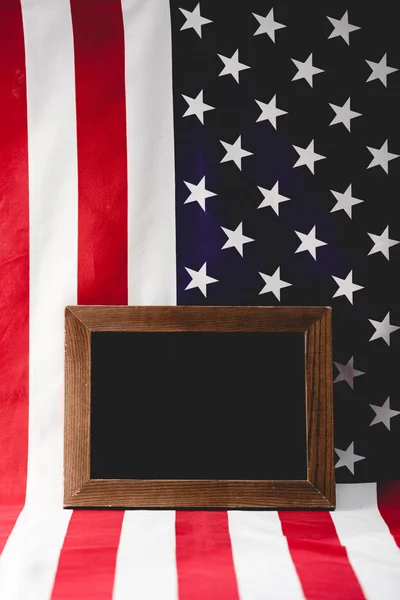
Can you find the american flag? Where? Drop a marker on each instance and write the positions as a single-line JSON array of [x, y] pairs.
[[287, 181], [211, 152]]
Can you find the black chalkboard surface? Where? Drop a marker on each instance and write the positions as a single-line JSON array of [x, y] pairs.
[[198, 405]]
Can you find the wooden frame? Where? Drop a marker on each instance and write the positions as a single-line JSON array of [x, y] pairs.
[[317, 491]]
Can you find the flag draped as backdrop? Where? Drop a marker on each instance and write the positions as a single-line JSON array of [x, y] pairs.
[[211, 152]]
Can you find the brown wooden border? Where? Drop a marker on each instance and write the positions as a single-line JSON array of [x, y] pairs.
[[318, 491]]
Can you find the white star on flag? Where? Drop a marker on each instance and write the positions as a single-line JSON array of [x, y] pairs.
[[347, 372], [197, 106], [380, 70], [198, 193], [344, 114], [309, 243], [200, 279], [381, 157], [307, 156], [306, 70], [346, 287], [383, 329], [383, 414], [236, 239], [232, 65], [269, 111], [272, 198], [345, 201], [347, 458], [235, 152], [342, 28], [382, 243], [268, 25], [194, 20], [274, 284]]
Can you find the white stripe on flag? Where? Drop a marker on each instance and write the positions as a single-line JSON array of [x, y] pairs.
[[29, 562], [371, 548], [146, 565], [150, 144], [263, 565], [30, 558], [53, 205]]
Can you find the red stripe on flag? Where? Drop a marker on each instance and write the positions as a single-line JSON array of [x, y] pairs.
[[320, 560], [14, 268], [204, 556], [102, 152], [87, 562], [389, 507], [91, 543]]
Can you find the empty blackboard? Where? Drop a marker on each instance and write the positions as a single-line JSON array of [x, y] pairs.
[[198, 407]]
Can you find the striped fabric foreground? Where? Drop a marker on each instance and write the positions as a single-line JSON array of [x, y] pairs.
[[88, 215], [352, 553]]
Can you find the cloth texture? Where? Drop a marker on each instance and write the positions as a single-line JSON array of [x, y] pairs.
[[184, 152]]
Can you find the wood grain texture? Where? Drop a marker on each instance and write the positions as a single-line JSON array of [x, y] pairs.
[[198, 318], [319, 407], [76, 406], [317, 492], [198, 494]]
